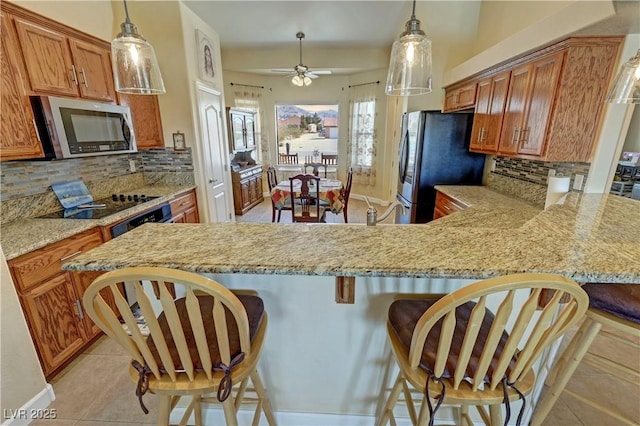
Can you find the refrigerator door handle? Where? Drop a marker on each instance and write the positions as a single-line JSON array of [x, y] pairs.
[[404, 153]]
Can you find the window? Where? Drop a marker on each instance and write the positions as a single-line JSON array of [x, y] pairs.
[[362, 132], [308, 131]]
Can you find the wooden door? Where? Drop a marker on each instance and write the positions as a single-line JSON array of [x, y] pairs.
[[514, 111], [82, 281], [93, 67], [55, 320], [499, 88], [18, 136], [47, 59], [145, 114], [544, 81], [480, 117]]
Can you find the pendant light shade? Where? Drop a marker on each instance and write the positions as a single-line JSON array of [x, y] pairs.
[[410, 64], [135, 67], [626, 88]]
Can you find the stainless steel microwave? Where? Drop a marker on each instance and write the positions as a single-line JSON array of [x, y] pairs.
[[70, 128]]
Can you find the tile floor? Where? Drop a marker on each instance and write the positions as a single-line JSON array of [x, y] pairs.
[[95, 388]]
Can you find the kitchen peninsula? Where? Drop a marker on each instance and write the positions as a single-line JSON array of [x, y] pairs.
[[326, 359]]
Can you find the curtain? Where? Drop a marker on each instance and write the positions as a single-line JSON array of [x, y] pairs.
[[252, 99], [361, 149]]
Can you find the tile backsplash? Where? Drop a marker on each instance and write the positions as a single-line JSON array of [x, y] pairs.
[[24, 178], [527, 179]]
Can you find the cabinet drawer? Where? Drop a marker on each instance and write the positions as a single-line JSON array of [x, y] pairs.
[[446, 205], [43, 263], [182, 203]]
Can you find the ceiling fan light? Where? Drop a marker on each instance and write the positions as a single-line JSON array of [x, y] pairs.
[[306, 81], [410, 65], [626, 88], [297, 81], [135, 66]]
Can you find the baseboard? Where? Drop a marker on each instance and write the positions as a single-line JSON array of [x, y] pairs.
[[35, 408], [214, 416]]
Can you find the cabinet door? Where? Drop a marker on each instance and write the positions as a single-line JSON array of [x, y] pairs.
[[47, 60], [93, 67], [82, 281], [250, 131], [245, 189], [491, 136], [145, 114], [544, 81], [191, 215], [55, 320], [253, 190], [514, 110], [237, 131], [18, 137], [259, 194], [480, 116]]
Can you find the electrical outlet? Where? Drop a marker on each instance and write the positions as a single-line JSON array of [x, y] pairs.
[[577, 182], [132, 166], [493, 164], [552, 172]]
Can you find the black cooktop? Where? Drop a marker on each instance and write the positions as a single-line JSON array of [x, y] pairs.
[[102, 208]]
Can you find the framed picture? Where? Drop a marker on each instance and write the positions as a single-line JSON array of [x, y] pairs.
[[206, 55], [179, 143]]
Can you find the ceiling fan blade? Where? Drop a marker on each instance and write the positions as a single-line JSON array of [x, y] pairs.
[[321, 72], [312, 75], [287, 70]]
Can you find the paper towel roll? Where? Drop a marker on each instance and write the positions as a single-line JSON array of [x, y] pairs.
[[557, 187]]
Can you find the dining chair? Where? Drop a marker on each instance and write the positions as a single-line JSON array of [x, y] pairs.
[[455, 350], [288, 158], [207, 341], [329, 159], [345, 195], [616, 307], [272, 181], [315, 169], [305, 205]]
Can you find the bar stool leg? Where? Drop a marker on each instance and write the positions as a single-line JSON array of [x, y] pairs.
[[387, 412], [564, 368]]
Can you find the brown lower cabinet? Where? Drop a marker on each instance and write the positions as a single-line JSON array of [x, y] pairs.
[[247, 188], [184, 208], [446, 205], [51, 299]]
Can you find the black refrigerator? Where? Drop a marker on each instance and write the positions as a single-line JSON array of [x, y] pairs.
[[434, 150]]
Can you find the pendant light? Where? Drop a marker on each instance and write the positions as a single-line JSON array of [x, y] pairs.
[[626, 89], [410, 65], [135, 67], [301, 80]]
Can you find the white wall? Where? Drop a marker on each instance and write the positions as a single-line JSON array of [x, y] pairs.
[[22, 377], [632, 142]]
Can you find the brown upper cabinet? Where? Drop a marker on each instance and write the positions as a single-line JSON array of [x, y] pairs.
[[487, 123], [460, 97], [145, 114], [61, 65], [18, 136], [554, 104]]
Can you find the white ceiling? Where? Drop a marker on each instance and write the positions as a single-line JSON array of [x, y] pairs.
[[273, 24]]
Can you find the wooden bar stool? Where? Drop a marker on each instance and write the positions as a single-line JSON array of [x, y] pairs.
[[454, 350], [208, 341], [615, 306]]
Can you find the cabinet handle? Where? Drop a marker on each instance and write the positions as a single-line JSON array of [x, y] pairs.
[[80, 313], [62, 259], [482, 133], [516, 134], [525, 135], [84, 78], [74, 78]]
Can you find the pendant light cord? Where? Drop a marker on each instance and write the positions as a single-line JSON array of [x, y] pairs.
[[413, 11], [126, 12]]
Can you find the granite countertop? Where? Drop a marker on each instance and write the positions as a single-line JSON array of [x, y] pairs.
[[590, 238], [22, 236]]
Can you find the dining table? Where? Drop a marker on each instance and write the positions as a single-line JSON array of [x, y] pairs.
[[330, 192]]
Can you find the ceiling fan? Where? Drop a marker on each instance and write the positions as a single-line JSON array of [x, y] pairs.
[[302, 75]]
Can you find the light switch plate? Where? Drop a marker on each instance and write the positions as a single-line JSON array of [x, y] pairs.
[[132, 166], [577, 182], [552, 172]]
